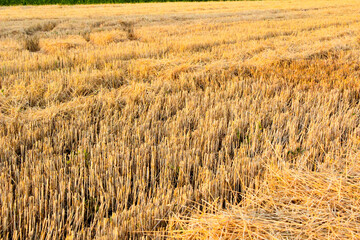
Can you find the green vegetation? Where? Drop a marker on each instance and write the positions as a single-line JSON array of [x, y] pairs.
[[70, 2]]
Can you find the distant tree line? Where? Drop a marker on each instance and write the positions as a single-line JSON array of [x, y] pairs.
[[68, 2]]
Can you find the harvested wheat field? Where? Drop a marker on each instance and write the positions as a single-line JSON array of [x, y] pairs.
[[211, 120]]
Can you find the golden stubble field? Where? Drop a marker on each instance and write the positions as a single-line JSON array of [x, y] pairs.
[[213, 120]]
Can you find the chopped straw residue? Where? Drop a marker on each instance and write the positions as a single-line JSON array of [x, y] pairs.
[[291, 204]]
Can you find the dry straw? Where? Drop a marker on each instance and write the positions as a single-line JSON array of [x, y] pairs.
[[252, 107]]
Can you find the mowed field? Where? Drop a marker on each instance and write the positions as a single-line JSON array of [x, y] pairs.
[[212, 120]]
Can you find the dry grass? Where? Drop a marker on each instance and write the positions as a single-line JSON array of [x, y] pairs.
[[86, 35], [44, 27], [290, 204], [251, 105], [128, 27], [31, 43]]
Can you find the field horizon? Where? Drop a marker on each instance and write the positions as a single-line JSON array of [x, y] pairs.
[[86, 2], [180, 120]]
